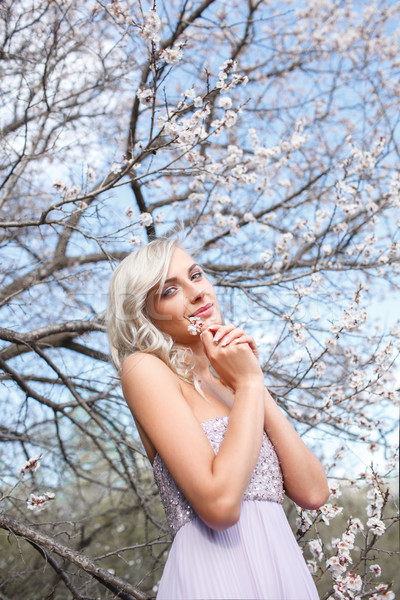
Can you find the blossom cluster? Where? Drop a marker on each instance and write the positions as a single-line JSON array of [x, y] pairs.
[[376, 503], [31, 465], [298, 332], [39, 503], [196, 325], [150, 29], [226, 70], [172, 55]]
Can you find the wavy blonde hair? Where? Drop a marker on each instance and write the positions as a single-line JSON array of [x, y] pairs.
[[129, 326]]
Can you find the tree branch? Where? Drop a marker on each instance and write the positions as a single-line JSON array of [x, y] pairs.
[[124, 590]]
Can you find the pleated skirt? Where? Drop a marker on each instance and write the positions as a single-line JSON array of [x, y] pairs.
[[257, 558]]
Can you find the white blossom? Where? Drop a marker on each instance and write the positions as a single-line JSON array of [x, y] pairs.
[[151, 27], [300, 224], [145, 96], [136, 240], [230, 118], [353, 317], [220, 219], [60, 185], [233, 224], [316, 279], [301, 290], [335, 491], [376, 526], [283, 242], [353, 582], [336, 566], [266, 256], [145, 219], [39, 503], [224, 102], [328, 512], [269, 217], [249, 217], [172, 55], [312, 566], [394, 189], [375, 569], [355, 525], [319, 368], [358, 380], [31, 465], [316, 549], [298, 332], [196, 325], [305, 520]]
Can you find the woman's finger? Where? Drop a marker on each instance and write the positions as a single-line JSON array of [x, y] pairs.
[[246, 339], [220, 331], [234, 334]]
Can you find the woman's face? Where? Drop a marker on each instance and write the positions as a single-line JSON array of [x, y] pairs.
[[185, 293]]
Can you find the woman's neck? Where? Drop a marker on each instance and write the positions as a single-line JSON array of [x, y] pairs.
[[201, 362]]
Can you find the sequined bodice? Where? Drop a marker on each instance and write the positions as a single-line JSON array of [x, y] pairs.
[[266, 482]]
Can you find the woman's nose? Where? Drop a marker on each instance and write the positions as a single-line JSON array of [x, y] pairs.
[[198, 295]]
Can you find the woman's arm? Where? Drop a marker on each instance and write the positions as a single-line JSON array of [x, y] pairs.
[[213, 484], [303, 475], [304, 478]]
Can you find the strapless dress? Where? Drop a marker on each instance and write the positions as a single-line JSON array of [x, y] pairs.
[[257, 558]]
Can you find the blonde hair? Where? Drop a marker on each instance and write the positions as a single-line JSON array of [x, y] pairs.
[[129, 326]]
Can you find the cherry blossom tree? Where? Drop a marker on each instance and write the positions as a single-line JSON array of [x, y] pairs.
[[264, 133]]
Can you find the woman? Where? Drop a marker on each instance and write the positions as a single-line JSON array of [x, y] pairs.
[[222, 451]]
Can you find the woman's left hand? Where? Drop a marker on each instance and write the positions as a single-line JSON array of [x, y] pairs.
[[228, 334]]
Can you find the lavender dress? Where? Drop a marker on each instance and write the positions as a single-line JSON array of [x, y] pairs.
[[257, 558]]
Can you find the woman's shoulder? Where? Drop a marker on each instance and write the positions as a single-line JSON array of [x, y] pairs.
[[143, 366], [144, 359]]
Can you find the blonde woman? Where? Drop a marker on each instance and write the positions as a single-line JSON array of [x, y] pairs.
[[223, 454]]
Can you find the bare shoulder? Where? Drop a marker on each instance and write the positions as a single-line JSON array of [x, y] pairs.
[[149, 386], [141, 365]]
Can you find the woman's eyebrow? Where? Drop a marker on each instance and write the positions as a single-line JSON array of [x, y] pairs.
[[190, 269]]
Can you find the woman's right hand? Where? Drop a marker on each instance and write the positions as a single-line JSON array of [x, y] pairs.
[[233, 355]]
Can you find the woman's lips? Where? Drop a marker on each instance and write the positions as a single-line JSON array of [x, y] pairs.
[[204, 311]]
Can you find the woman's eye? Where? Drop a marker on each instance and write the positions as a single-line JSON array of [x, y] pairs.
[[197, 275], [167, 292]]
